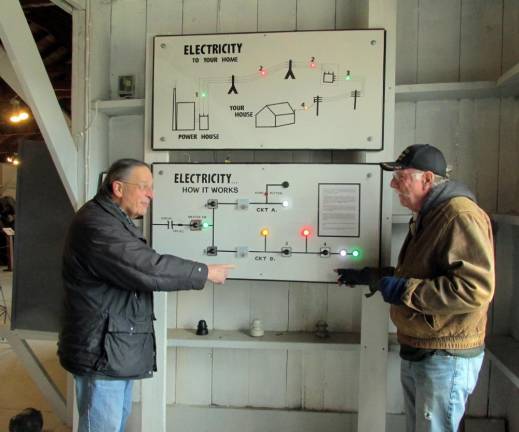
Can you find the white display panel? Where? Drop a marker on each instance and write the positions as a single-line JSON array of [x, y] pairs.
[[296, 90], [255, 216]]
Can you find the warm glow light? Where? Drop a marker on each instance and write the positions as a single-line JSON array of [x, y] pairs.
[[9, 159], [23, 115], [14, 119], [306, 231], [264, 232], [16, 162]]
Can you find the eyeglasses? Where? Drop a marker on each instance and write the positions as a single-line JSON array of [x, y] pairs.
[[401, 175], [141, 186]]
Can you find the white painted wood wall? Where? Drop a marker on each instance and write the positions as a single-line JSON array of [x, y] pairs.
[[437, 41]]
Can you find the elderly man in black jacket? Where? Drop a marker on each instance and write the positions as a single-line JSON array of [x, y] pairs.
[[107, 338]]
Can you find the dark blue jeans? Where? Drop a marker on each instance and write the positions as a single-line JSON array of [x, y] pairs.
[[104, 405], [436, 391]]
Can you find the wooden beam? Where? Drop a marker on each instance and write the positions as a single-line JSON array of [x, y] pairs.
[[30, 71], [70, 5], [8, 74], [38, 374]]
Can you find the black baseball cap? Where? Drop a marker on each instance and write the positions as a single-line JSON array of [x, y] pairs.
[[423, 157]]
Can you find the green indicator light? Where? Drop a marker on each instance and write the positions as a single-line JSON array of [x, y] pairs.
[[348, 77], [355, 253], [205, 225], [203, 94]]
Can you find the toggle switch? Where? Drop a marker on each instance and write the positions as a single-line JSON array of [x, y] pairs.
[[325, 252], [212, 203], [195, 225], [211, 251], [286, 251]]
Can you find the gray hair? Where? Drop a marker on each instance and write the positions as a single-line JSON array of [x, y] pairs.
[[438, 180], [120, 170]]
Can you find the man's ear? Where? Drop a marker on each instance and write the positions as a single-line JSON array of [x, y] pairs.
[[428, 178], [117, 189]]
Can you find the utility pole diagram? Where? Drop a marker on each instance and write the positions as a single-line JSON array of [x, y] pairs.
[[294, 222], [295, 90]]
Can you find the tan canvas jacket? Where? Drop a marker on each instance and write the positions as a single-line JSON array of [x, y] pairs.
[[449, 264]]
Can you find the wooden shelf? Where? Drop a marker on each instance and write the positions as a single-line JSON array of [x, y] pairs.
[[443, 91], [504, 352], [235, 339], [120, 107], [508, 83]]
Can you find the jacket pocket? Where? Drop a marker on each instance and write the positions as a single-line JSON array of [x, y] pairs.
[[129, 347], [431, 321]]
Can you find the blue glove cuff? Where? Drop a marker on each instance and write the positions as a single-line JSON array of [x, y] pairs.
[[392, 288]]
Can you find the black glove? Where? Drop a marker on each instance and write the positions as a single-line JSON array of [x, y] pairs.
[[367, 276]]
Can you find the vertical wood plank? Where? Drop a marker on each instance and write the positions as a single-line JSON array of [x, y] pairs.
[[193, 386], [313, 380], [164, 17], [438, 40], [276, 15], [235, 16], [341, 381], [509, 157], [232, 305], [479, 149], [312, 15], [351, 14], [269, 303], [307, 305], [171, 375], [395, 395], [125, 137], [344, 308], [199, 17], [407, 42], [231, 377], [267, 378], [405, 135], [437, 123], [194, 306], [172, 309], [481, 31], [127, 43], [294, 397], [510, 34]]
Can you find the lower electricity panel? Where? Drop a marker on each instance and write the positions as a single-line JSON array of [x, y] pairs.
[[291, 222]]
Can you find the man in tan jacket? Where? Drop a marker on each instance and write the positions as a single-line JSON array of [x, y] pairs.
[[439, 291]]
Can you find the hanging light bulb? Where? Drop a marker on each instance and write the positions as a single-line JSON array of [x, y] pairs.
[[17, 114]]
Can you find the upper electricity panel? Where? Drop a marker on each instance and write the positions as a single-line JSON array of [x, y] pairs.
[[297, 90], [289, 222]]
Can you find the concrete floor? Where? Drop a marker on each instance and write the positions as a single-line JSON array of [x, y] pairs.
[[17, 389]]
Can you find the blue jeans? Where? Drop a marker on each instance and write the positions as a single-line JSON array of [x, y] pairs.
[[104, 405], [436, 390]]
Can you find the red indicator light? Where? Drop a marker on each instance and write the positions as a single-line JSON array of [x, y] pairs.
[[262, 71], [306, 231]]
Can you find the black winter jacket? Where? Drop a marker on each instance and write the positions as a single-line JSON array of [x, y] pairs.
[[109, 275]]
